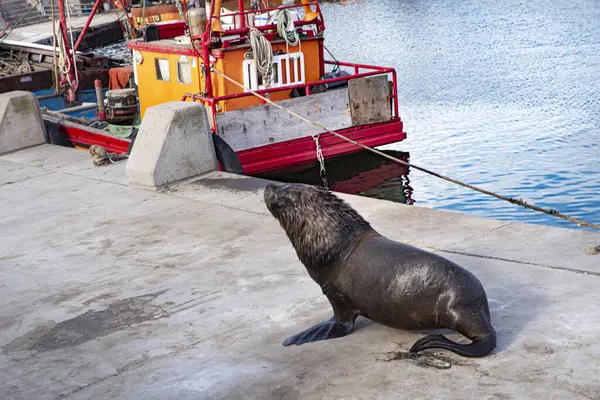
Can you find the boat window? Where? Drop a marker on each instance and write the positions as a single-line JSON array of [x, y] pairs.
[[162, 69], [184, 72]]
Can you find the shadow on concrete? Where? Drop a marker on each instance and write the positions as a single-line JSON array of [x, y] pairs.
[[233, 184], [513, 304]]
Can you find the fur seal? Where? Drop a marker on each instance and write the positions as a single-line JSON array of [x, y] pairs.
[[364, 273]]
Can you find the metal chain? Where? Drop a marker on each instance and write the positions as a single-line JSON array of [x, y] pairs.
[[322, 171]]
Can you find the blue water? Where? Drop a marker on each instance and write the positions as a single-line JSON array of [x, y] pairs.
[[501, 94]]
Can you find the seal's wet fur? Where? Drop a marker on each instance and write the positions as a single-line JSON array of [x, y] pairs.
[[363, 273]]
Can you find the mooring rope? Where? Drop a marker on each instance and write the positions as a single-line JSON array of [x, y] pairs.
[[103, 157], [457, 182]]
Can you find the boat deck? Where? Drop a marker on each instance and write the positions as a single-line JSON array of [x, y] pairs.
[[111, 292], [41, 32]]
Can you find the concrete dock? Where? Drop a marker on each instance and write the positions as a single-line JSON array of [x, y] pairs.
[[112, 292], [42, 32]]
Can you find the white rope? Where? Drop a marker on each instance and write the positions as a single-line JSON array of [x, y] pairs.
[[263, 55], [63, 61], [72, 45], [286, 28], [179, 9]]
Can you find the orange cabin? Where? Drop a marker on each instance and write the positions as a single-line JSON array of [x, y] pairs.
[[166, 69]]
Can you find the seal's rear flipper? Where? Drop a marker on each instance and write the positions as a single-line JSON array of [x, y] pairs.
[[479, 348], [329, 329]]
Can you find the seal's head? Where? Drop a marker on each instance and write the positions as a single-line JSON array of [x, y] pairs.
[[319, 224]]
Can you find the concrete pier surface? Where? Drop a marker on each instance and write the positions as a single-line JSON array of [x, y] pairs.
[[113, 292], [43, 31]]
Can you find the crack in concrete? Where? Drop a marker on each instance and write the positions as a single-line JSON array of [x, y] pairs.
[[57, 169], [484, 233], [25, 179], [183, 195], [135, 364], [463, 253], [97, 179]]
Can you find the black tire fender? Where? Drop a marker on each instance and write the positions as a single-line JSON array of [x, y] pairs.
[[226, 156]]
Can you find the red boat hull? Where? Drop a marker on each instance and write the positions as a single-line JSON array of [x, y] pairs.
[[300, 152], [293, 154]]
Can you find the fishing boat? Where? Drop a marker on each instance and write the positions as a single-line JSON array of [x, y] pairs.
[[224, 55], [145, 14]]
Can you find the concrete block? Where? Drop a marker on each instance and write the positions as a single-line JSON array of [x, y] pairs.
[[21, 123], [174, 143]]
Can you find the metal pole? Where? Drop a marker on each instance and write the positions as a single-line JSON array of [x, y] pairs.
[[87, 24], [72, 91], [63, 24], [207, 73], [56, 83], [206, 36], [242, 15], [100, 99]]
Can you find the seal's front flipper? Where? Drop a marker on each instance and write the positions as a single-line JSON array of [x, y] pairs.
[[341, 324], [329, 329]]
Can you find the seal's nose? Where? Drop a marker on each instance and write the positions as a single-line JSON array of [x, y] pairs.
[[270, 190]]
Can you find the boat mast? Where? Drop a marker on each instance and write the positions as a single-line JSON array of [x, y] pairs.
[[213, 24], [87, 24], [242, 15], [69, 79]]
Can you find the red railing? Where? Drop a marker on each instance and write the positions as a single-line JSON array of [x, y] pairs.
[[375, 70], [243, 30], [239, 18]]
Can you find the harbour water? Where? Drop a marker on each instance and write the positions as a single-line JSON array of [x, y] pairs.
[[503, 94]]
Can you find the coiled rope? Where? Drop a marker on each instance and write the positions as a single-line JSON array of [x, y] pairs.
[[64, 63], [103, 157], [286, 28], [11, 64], [262, 52], [457, 182]]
